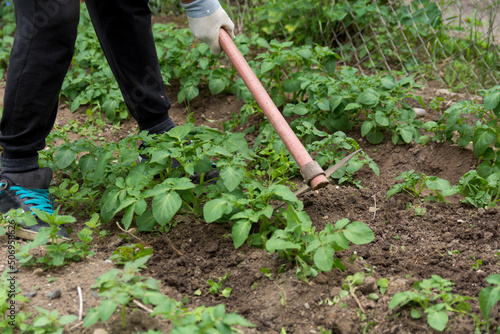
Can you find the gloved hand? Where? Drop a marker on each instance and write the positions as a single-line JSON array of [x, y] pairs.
[[206, 18]]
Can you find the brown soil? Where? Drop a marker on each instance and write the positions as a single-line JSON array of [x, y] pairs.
[[407, 247]]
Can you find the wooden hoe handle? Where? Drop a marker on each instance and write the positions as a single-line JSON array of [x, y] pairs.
[[310, 170]]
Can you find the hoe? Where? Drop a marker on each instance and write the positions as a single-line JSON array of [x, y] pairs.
[[314, 176]]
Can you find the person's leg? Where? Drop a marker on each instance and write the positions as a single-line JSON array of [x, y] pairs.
[[40, 57], [124, 31]]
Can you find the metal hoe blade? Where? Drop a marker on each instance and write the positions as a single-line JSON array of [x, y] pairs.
[[329, 172]]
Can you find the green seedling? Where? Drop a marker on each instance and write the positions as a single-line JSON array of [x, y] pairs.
[[489, 297], [451, 253], [129, 253], [217, 286], [120, 287], [383, 284], [434, 297], [414, 184], [267, 273], [313, 251], [477, 262], [58, 252]]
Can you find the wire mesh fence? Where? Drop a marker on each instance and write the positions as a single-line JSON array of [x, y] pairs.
[[452, 42]]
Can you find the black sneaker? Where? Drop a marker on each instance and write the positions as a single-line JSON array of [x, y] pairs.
[[28, 190]]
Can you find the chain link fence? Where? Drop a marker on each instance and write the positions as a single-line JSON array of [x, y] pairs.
[[454, 43], [447, 43]]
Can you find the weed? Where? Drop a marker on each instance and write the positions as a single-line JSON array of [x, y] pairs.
[[414, 184], [217, 286], [129, 253], [435, 298], [489, 296], [300, 242]]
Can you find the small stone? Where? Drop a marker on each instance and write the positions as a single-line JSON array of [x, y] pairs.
[[306, 305], [100, 331], [108, 261], [321, 279], [446, 92], [369, 285], [29, 294], [420, 112], [54, 294], [38, 271], [481, 211]]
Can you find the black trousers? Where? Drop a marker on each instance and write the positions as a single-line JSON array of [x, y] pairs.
[[40, 58]]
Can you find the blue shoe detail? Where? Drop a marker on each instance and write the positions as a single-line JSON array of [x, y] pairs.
[[39, 198]]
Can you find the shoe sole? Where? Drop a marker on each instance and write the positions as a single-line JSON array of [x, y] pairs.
[[30, 235]]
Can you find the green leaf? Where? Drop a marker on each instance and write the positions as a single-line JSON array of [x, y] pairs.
[[232, 176], [381, 118], [128, 215], [323, 104], [483, 138], [341, 223], [233, 319], [180, 132], [358, 233], [415, 314], [399, 298], [330, 64], [299, 109], [266, 66], [291, 85], [366, 127], [181, 183], [41, 322], [438, 184], [406, 133], [388, 82], [280, 244], [368, 98], [165, 206], [437, 319], [351, 106], [493, 279], [283, 193], [215, 209], [67, 319], [488, 297], [335, 101], [216, 85], [375, 137], [240, 232], [65, 157], [106, 309], [92, 318], [323, 258], [146, 221], [491, 101]]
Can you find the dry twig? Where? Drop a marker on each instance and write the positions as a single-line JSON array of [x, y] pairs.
[[374, 206], [356, 299], [128, 232], [80, 308], [142, 306]]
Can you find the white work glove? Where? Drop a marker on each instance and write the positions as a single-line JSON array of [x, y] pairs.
[[206, 18]]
